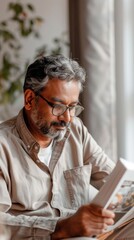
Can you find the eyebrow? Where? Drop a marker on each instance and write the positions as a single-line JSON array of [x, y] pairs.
[[60, 101]]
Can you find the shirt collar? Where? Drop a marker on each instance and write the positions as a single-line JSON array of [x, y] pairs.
[[26, 135], [24, 132]]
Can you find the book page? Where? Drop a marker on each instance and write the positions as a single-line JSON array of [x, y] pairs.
[[123, 200], [117, 193]]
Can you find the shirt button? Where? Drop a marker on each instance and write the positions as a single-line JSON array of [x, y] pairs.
[[37, 160], [28, 146], [36, 147]]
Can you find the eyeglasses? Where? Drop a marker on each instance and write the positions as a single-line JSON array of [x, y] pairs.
[[59, 109]]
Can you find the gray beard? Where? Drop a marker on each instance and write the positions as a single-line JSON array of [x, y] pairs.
[[49, 131], [57, 135]]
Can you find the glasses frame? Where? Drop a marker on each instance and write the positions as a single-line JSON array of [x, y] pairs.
[[52, 105]]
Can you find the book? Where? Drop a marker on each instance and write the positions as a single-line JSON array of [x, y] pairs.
[[80, 238], [117, 193]]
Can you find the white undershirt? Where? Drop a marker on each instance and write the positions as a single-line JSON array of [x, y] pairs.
[[44, 154]]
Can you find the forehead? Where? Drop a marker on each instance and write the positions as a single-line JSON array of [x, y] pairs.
[[62, 89]]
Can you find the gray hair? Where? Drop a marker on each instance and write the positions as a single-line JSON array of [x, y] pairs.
[[47, 68]]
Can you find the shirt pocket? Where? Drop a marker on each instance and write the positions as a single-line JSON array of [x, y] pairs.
[[78, 184]]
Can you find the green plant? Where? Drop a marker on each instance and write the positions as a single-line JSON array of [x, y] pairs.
[[26, 24], [10, 71], [58, 45]]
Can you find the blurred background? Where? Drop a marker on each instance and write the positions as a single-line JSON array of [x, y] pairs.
[[99, 34]]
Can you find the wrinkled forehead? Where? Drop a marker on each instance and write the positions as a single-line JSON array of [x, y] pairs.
[[57, 83], [56, 88]]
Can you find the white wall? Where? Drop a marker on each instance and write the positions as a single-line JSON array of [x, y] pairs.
[[56, 22]]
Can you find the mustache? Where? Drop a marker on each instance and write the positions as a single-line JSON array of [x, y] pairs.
[[46, 129], [60, 124]]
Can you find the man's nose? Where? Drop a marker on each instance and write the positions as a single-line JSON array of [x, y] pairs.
[[65, 116]]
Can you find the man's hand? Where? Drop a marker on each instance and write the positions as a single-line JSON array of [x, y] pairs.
[[89, 220]]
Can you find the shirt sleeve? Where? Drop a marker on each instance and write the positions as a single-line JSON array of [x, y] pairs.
[[22, 226], [93, 154], [102, 165]]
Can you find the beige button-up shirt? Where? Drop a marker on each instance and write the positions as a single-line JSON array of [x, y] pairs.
[[33, 196]]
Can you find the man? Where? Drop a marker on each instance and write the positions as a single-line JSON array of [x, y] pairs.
[[50, 165]]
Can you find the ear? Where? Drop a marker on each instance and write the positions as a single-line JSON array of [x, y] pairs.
[[29, 95]]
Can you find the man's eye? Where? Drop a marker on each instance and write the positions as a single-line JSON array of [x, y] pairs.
[[72, 107], [58, 106]]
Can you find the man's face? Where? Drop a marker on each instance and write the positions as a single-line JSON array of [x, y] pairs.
[[42, 118]]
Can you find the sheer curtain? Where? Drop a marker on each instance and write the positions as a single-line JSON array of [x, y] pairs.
[[92, 43], [124, 52]]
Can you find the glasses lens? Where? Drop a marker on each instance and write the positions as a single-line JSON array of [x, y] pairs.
[[59, 110], [74, 110], [77, 110]]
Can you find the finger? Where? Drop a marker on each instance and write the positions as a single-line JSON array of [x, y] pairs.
[[108, 213], [96, 229], [99, 211], [98, 225], [109, 221], [102, 222]]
